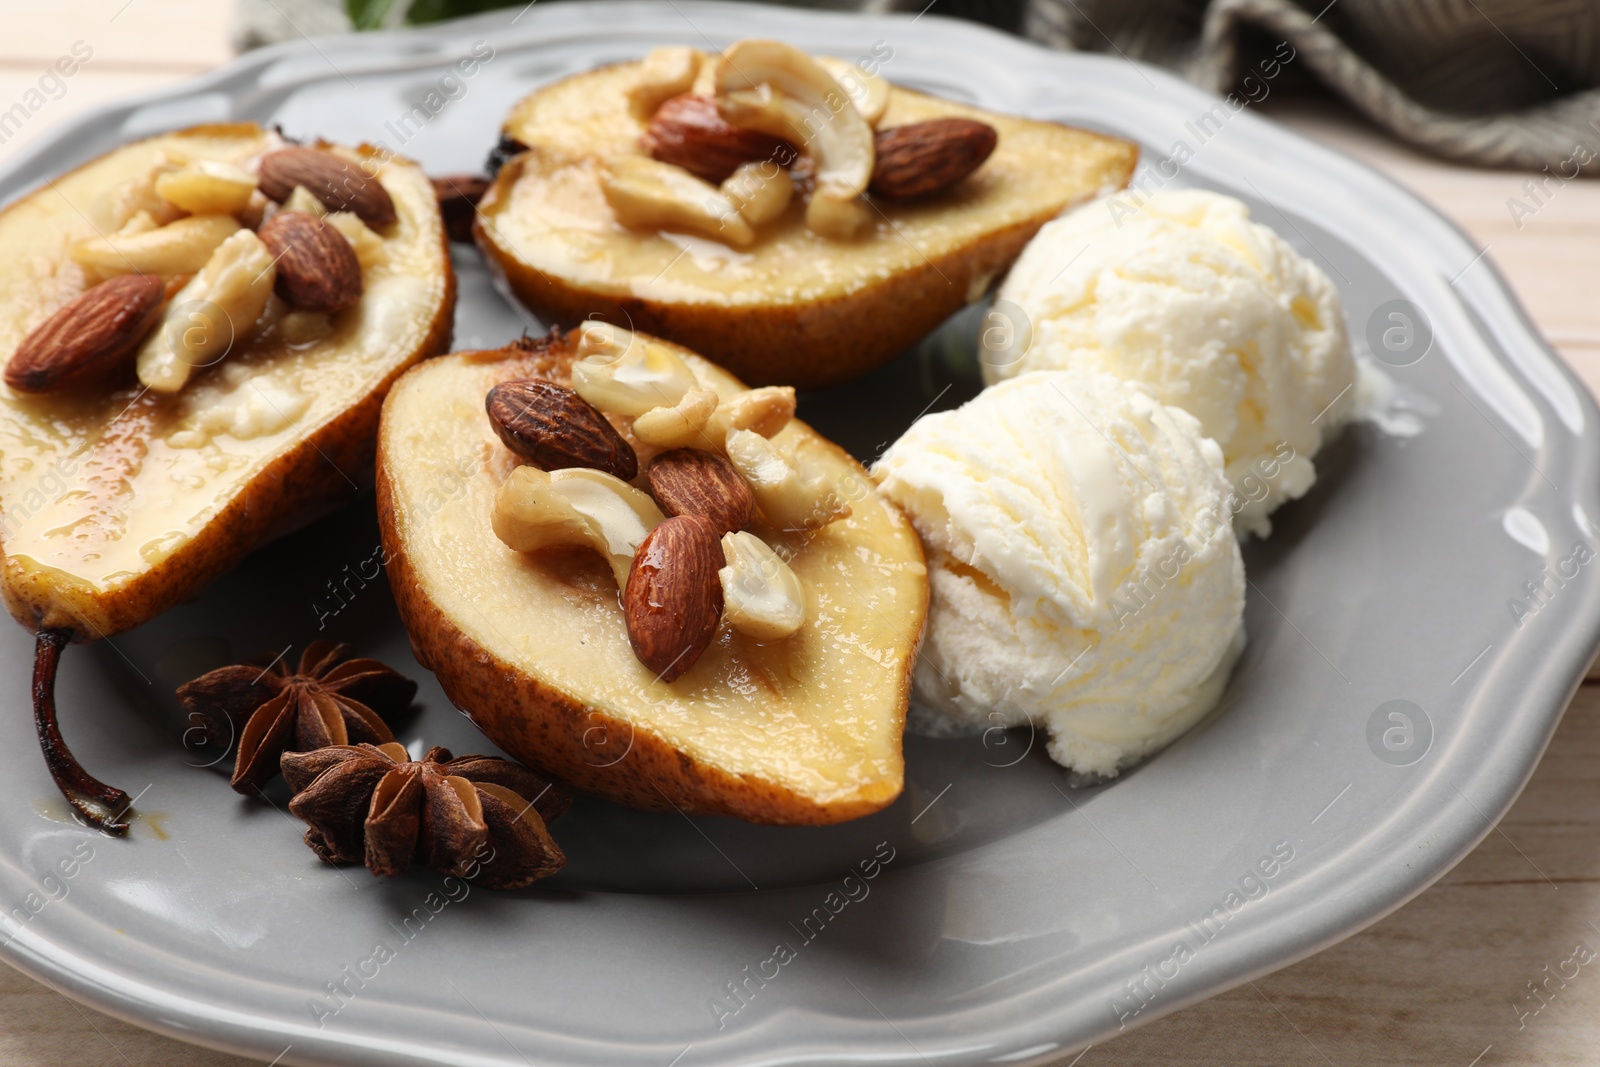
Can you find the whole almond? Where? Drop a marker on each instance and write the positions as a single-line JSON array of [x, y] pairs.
[[317, 268], [88, 339], [553, 428], [673, 601], [928, 157], [689, 481], [458, 196], [338, 183], [689, 132]]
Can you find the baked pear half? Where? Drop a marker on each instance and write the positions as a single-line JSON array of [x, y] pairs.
[[796, 220], [197, 332], [588, 643]]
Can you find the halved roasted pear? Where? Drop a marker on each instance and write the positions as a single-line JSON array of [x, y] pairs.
[[741, 273], [794, 710], [180, 387]]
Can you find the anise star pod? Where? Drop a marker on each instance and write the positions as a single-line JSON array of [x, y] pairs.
[[476, 817], [329, 700]]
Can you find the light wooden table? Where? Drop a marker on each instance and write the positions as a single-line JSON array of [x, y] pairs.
[[1443, 981]]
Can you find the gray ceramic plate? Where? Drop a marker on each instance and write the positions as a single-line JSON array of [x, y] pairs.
[[1011, 919]]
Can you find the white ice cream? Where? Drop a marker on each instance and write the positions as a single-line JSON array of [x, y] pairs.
[[1083, 567], [1218, 315]]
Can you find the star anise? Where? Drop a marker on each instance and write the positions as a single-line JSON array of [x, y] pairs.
[[329, 700], [476, 817]]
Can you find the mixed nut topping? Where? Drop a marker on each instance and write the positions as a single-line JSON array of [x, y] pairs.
[[729, 141], [677, 539], [196, 255]]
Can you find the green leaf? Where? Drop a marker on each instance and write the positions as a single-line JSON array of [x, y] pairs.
[[367, 14], [435, 10], [373, 14]]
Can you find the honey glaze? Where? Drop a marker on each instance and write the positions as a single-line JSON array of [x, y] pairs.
[[147, 825]]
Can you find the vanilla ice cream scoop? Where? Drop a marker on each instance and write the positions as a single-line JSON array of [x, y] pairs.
[[1083, 569], [1215, 313]]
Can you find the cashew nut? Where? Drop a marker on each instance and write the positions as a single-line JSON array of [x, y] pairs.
[[765, 410], [207, 187], [368, 246], [141, 222], [646, 194], [761, 596], [218, 304], [626, 375], [759, 191], [126, 199], [536, 509], [679, 425], [302, 199], [787, 500], [867, 91], [779, 90], [665, 73], [836, 218], [180, 247], [530, 515]]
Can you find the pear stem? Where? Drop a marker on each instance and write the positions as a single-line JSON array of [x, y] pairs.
[[74, 782]]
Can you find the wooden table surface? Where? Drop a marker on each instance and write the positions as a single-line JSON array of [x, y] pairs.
[[1446, 980]]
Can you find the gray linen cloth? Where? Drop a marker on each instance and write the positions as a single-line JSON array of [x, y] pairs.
[[1492, 82]]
